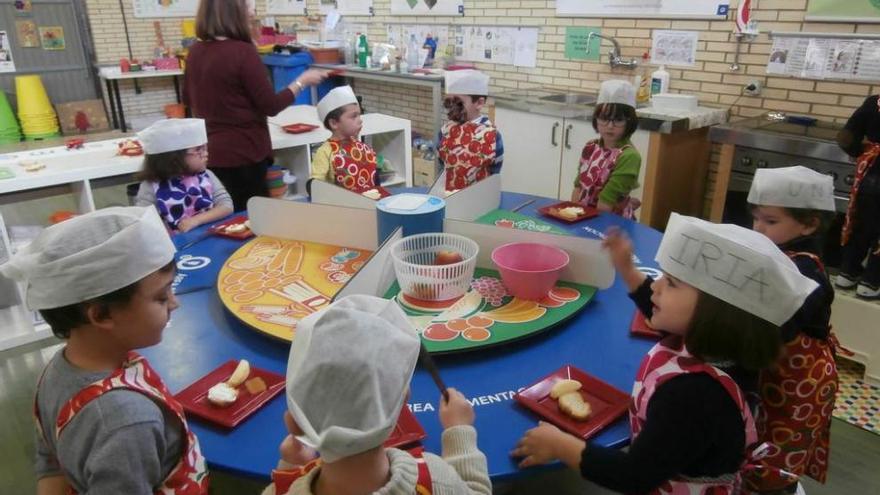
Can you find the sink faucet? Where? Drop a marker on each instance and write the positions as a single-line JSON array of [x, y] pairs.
[[614, 55]]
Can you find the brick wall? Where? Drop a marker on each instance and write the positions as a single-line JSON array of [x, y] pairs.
[[711, 79]]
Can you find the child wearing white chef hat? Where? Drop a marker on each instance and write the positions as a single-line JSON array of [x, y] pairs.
[[609, 166], [725, 292], [344, 159], [175, 177], [102, 281], [469, 145], [791, 205], [347, 379]]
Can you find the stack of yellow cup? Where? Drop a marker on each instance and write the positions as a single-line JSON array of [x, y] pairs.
[[38, 119]]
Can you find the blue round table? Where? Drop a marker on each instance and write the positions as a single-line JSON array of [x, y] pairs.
[[202, 335]]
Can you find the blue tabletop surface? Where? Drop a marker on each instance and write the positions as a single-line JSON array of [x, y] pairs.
[[202, 335]]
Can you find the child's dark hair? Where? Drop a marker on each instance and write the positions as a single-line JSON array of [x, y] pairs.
[[66, 318], [720, 331], [616, 111], [807, 217], [163, 166], [337, 114]]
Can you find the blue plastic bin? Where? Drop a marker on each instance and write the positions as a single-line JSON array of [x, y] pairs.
[[286, 68]]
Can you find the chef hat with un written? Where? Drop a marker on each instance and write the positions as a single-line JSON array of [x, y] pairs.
[[737, 265], [349, 369], [792, 187], [90, 255]]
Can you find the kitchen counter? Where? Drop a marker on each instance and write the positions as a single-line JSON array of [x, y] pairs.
[[650, 119]]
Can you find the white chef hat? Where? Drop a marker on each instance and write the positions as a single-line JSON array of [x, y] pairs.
[[91, 255], [792, 187], [173, 134], [348, 372], [467, 82], [737, 265], [337, 97], [617, 91]]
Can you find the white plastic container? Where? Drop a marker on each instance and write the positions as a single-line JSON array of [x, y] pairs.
[[420, 278], [660, 81]]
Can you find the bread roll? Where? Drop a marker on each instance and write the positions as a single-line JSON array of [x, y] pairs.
[[563, 387], [574, 405]]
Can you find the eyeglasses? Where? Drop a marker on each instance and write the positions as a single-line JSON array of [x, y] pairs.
[[613, 122], [198, 150]]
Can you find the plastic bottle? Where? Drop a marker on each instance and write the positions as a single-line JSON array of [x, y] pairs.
[[412, 52], [660, 81], [363, 51], [642, 83]]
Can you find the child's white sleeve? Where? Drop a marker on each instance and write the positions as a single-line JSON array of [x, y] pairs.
[[145, 195], [459, 445]]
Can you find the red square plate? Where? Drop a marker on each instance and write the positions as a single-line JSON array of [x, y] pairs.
[[641, 328], [220, 228], [299, 128], [406, 431], [553, 211], [195, 397], [607, 402]]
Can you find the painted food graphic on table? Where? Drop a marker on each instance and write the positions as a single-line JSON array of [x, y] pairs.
[[270, 284], [487, 315]]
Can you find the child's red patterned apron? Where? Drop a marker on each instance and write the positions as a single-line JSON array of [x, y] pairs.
[[797, 399], [190, 475], [596, 165], [353, 165], [467, 151], [282, 479], [665, 361]]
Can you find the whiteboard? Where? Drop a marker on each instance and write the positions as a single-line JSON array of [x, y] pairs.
[[171, 8], [427, 7], [666, 9]]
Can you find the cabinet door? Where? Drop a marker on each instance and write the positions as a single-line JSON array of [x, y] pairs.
[[532, 146], [641, 139], [575, 136]]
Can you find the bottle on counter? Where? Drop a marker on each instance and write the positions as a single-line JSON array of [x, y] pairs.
[[643, 83], [412, 52], [660, 81], [363, 51]]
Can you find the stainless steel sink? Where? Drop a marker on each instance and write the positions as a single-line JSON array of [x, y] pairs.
[[571, 99]]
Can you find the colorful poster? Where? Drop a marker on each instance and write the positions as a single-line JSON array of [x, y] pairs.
[[6, 62], [427, 7], [52, 37], [837, 11], [28, 37], [23, 7]]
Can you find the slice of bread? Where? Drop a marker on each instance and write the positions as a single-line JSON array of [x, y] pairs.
[[563, 387], [575, 406]]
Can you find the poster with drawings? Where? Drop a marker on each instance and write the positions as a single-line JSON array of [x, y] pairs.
[[674, 48], [427, 7], [285, 7], [497, 44], [6, 62], [825, 58]]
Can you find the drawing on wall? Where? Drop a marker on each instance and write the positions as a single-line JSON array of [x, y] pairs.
[[23, 7], [427, 7], [28, 37], [6, 62], [52, 37]]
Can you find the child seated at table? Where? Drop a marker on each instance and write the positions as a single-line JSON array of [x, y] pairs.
[[105, 421], [469, 146], [790, 206], [175, 175], [347, 380], [609, 166], [344, 159], [724, 293]]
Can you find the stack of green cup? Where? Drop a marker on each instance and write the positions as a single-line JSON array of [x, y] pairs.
[[9, 130]]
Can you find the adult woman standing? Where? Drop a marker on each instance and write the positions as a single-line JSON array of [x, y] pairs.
[[227, 84]]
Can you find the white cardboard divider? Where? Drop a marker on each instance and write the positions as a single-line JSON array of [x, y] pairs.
[[438, 188], [377, 275], [325, 193], [335, 225], [475, 200], [589, 265]]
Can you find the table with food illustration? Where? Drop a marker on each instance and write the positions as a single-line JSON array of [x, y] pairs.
[[505, 353]]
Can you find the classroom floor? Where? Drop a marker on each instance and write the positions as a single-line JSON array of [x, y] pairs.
[[854, 460]]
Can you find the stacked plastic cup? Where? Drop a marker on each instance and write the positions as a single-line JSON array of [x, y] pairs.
[[38, 119], [9, 130]]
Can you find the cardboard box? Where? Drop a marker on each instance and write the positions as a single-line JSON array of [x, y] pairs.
[[424, 172]]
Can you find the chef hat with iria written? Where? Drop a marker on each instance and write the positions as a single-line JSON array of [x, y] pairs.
[[349, 369], [737, 265], [792, 187], [90, 255], [173, 134]]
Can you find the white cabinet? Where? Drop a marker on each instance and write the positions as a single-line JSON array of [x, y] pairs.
[[542, 154]]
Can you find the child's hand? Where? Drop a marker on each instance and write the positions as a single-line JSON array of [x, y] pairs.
[[458, 411], [619, 247], [187, 224], [544, 444], [292, 450]]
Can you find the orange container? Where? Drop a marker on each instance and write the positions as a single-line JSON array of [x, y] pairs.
[[175, 110], [325, 55]]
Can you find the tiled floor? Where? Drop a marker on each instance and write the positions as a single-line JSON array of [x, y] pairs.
[[858, 403], [854, 460]]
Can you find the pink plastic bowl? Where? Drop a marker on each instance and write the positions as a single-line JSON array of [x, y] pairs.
[[529, 270]]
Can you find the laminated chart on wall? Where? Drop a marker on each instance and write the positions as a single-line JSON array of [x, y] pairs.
[[694, 9], [285, 7], [400, 34], [427, 7], [165, 8], [678, 48], [825, 58], [496, 44]]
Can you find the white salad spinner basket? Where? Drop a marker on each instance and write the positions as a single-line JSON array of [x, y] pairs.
[[420, 278]]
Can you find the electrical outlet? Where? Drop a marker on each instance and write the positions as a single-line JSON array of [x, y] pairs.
[[753, 88]]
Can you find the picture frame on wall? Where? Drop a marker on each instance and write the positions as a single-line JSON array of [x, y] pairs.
[[52, 37]]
